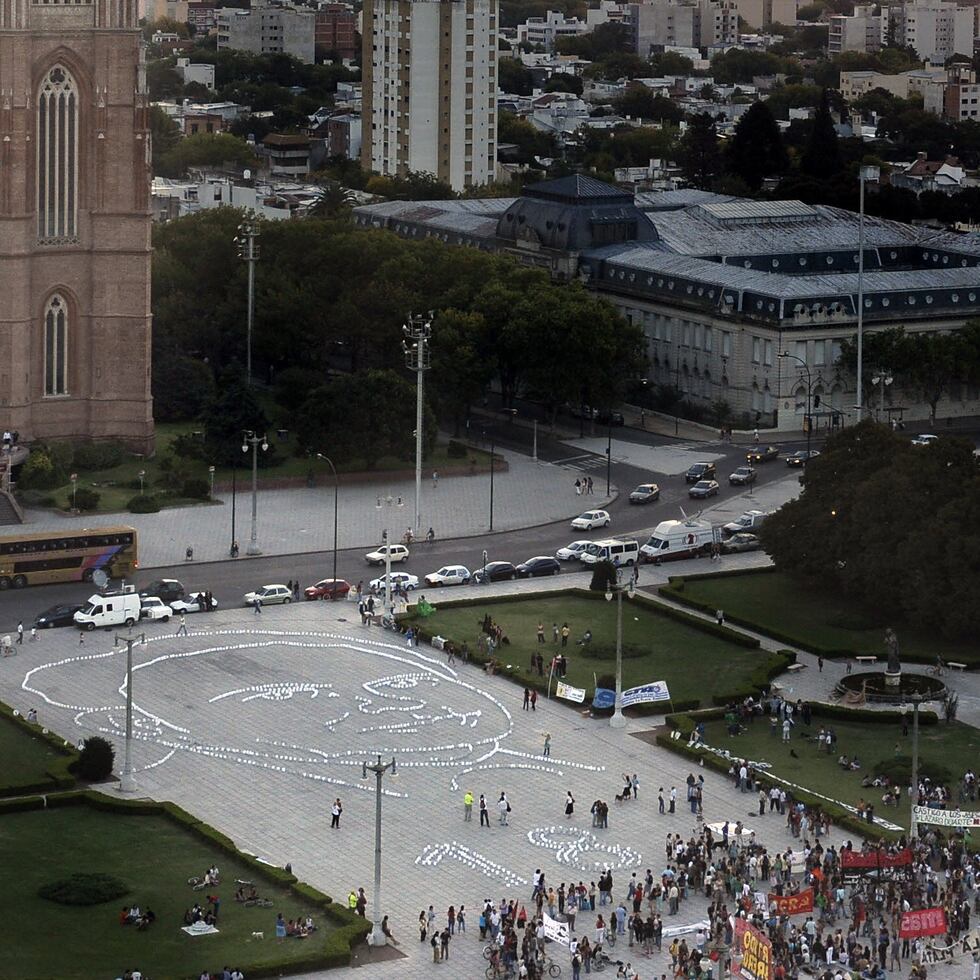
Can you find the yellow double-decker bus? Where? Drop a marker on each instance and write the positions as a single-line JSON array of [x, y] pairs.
[[66, 556]]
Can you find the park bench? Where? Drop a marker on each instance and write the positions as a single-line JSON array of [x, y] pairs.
[[956, 666], [795, 667], [867, 659]]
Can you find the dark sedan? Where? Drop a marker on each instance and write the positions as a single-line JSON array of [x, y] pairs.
[[495, 571], [542, 565], [700, 471], [762, 454], [704, 488], [607, 417], [644, 493], [167, 589], [742, 476], [802, 457], [61, 615]]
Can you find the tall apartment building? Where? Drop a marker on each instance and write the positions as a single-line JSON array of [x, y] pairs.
[[935, 29], [760, 15], [668, 23], [336, 27], [546, 31], [268, 28], [863, 31], [430, 89]]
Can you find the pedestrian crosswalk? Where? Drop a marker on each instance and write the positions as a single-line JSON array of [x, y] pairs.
[[585, 462]]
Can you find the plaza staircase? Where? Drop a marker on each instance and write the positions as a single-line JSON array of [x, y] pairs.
[[10, 512]]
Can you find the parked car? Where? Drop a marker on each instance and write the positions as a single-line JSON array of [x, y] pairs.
[[703, 488], [607, 417], [269, 594], [399, 580], [193, 602], [700, 471], [741, 542], [449, 575], [590, 520], [153, 608], [166, 589], [328, 588], [495, 571], [751, 520], [644, 493], [762, 454], [541, 565], [802, 457], [573, 551], [377, 557], [581, 411], [62, 614], [742, 476], [926, 439]]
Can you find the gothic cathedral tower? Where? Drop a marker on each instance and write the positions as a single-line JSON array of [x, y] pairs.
[[74, 222]]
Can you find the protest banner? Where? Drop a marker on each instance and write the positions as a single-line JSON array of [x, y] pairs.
[[555, 931], [922, 922], [645, 693], [864, 860], [569, 693], [967, 945], [755, 950], [947, 818], [792, 904]]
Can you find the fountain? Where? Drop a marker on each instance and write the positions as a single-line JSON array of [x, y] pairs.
[[891, 686]]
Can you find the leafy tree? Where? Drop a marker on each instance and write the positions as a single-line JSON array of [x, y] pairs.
[[96, 759], [639, 102], [513, 78], [529, 141], [698, 152], [166, 25], [756, 150], [206, 150], [411, 186], [670, 63], [460, 368], [162, 79], [821, 158], [164, 135], [182, 387], [234, 409], [562, 82], [738, 65]]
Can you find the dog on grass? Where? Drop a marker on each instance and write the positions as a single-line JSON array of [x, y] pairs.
[[258, 935]]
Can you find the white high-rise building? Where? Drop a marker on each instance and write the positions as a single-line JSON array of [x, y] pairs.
[[695, 24], [936, 30], [863, 31], [430, 89]]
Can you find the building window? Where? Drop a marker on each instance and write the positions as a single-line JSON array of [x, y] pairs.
[[756, 350], [768, 354], [707, 339], [57, 156], [801, 350], [820, 353], [726, 344], [56, 347]]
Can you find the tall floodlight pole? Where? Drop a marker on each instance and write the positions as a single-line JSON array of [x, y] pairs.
[[864, 174], [248, 250], [127, 782], [418, 358], [379, 768]]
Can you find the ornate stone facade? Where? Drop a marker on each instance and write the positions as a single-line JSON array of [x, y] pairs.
[[74, 222]]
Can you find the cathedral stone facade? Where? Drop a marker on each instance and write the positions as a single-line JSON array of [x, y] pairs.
[[74, 222]]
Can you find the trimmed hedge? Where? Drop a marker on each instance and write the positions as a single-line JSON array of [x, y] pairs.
[[58, 769], [21, 804]]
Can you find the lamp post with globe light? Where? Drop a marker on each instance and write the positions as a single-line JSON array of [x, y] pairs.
[[379, 768], [251, 439], [618, 719]]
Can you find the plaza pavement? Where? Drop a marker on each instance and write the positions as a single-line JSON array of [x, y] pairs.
[[256, 723]]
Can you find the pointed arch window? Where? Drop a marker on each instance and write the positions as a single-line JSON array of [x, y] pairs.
[[57, 157], [56, 347]]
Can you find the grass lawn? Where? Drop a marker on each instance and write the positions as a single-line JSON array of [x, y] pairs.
[[118, 485], [154, 857], [955, 747], [24, 758], [828, 619], [695, 664]]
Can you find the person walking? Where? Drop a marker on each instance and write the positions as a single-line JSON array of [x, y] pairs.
[[258, 606], [435, 480], [547, 744], [484, 812], [527, 699], [569, 803], [565, 632], [33, 633], [335, 811], [182, 629], [503, 807], [20, 633], [534, 700], [554, 632], [660, 800], [467, 807], [423, 926], [540, 632]]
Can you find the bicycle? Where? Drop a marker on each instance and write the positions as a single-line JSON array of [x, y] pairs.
[[504, 971], [262, 903], [554, 970], [488, 950], [611, 935]]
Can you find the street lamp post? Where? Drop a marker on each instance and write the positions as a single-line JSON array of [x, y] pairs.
[[493, 446], [618, 719], [211, 477], [233, 549], [386, 502], [379, 768], [127, 783], [882, 379], [809, 395], [142, 476], [608, 458], [336, 501], [74, 487], [864, 174], [248, 250], [251, 439], [418, 358], [914, 791]]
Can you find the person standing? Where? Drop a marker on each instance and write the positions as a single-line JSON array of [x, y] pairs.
[[435, 480], [660, 800], [547, 744], [534, 700], [484, 812], [335, 811], [635, 783], [467, 807], [423, 926], [554, 632], [527, 699], [673, 799], [503, 808], [540, 632], [33, 633], [182, 629], [569, 803], [565, 631], [20, 633], [444, 939]]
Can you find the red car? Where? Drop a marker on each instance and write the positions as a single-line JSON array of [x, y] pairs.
[[328, 588]]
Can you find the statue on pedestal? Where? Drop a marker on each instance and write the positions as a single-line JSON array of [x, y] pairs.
[[891, 648]]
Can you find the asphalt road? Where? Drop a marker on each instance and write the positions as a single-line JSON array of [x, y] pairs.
[[230, 579]]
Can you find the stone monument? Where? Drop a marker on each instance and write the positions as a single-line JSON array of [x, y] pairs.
[[893, 671]]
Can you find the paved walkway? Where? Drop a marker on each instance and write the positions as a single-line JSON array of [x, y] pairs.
[[283, 709], [300, 520]]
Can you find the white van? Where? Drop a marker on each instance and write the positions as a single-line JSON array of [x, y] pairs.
[[678, 539], [619, 552], [111, 609]]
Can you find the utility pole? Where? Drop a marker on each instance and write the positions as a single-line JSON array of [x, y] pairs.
[[251, 439], [864, 174], [379, 768], [248, 250], [127, 783], [418, 358], [618, 719]]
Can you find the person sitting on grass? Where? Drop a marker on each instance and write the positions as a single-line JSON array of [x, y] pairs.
[[844, 762]]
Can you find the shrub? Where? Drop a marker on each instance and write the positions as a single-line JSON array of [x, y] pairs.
[[456, 449], [84, 499], [185, 446], [84, 889], [40, 471], [143, 504], [603, 576], [604, 651], [96, 759], [899, 770], [99, 455], [196, 489]]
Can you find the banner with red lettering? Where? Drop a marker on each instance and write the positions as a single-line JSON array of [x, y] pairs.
[[756, 952], [924, 922], [858, 860], [792, 904]]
